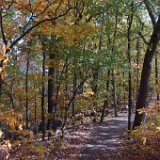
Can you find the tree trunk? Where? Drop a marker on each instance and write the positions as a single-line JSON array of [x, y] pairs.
[[156, 76], [124, 90], [114, 94], [130, 20], [106, 98], [1, 81], [67, 83], [95, 87], [26, 84], [112, 71], [138, 62], [74, 89], [43, 98], [146, 71], [51, 90]]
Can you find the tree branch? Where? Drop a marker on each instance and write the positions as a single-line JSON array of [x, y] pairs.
[[71, 101], [2, 28], [145, 41], [36, 25], [150, 12]]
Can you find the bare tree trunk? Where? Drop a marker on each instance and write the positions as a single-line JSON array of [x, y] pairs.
[[95, 87], [130, 20], [67, 83], [124, 90], [112, 71], [106, 98], [138, 62], [156, 76], [35, 111], [71, 101], [43, 98], [26, 84], [74, 89], [51, 90], [114, 94]]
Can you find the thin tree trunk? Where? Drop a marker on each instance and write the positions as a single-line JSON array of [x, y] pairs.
[[67, 83], [95, 87], [112, 71], [114, 94], [71, 101], [74, 89], [124, 90], [156, 76], [106, 99], [35, 112], [26, 84], [138, 62], [130, 20], [43, 98]]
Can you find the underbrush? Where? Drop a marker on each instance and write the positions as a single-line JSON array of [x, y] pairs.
[[144, 143]]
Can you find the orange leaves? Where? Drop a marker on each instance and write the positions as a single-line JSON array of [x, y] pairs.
[[142, 110], [49, 116], [11, 118], [2, 51], [25, 133], [4, 60], [151, 109]]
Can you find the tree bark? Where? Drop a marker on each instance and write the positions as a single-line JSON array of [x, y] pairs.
[[146, 71], [156, 76], [95, 87], [130, 20], [114, 93], [106, 98], [43, 98], [51, 90], [74, 89], [26, 84], [138, 62]]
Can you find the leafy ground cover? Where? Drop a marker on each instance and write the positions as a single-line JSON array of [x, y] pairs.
[[99, 141]]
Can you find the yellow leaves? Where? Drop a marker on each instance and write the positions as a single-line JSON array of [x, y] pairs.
[[73, 34], [4, 60], [25, 133], [11, 118], [52, 63], [88, 94]]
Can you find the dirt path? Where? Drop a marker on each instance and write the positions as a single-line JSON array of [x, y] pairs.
[[100, 141]]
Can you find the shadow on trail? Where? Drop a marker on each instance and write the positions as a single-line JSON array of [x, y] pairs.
[[104, 139]]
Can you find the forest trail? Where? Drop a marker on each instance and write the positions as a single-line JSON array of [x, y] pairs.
[[99, 141]]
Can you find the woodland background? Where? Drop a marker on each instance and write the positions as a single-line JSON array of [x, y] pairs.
[[68, 63]]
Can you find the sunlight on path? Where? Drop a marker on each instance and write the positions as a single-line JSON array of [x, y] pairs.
[[104, 138]]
